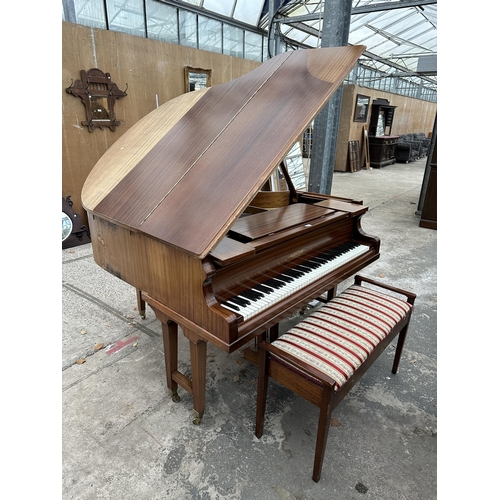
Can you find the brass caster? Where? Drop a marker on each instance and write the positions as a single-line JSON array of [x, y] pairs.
[[197, 417], [175, 397]]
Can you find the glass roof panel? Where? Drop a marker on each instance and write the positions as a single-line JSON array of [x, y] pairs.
[[248, 12], [223, 7]]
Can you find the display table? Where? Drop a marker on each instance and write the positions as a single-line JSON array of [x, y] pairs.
[[382, 150]]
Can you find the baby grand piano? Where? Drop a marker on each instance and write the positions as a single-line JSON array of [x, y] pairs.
[[171, 211]]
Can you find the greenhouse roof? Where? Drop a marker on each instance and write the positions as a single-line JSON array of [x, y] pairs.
[[400, 35]]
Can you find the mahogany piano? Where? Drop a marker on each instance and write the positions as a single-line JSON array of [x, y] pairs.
[[174, 210]]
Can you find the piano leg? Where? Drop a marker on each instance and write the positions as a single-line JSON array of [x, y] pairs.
[[170, 339], [198, 351], [198, 354], [141, 304]]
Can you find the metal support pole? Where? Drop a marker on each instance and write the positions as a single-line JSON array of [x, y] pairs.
[[272, 43], [335, 33]]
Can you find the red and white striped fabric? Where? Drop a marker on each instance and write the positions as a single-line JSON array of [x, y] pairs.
[[339, 336]]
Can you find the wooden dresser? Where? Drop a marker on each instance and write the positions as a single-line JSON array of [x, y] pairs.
[[382, 150]]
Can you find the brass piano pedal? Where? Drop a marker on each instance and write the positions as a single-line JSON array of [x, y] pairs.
[[197, 417], [175, 397]]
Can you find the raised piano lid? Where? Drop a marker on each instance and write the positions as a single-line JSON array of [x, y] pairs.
[[186, 171]]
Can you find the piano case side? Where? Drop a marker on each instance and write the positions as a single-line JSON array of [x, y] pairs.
[[174, 278]]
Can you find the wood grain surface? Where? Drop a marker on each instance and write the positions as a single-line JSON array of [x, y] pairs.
[[185, 172], [266, 223]]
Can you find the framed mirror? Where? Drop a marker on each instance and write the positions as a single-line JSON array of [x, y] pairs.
[[380, 123], [197, 78], [361, 108], [98, 94]]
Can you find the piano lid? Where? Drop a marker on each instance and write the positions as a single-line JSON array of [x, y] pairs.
[[186, 171]]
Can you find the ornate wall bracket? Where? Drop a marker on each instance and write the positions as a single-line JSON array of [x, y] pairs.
[[98, 94]]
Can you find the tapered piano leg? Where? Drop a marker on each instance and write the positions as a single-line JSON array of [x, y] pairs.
[[198, 351], [141, 304], [170, 339]]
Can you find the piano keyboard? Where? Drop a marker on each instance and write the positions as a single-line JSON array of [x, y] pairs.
[[257, 299]]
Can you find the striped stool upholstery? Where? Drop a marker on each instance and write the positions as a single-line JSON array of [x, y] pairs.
[[324, 355]]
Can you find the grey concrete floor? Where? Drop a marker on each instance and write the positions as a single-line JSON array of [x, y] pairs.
[[123, 437]]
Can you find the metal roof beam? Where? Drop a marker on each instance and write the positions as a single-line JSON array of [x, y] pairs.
[[402, 71], [365, 9], [403, 4]]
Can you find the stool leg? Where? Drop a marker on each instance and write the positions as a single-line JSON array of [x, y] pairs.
[[325, 415], [399, 348], [262, 391]]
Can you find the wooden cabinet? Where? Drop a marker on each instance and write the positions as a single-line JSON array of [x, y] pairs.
[[381, 118], [382, 150], [382, 143]]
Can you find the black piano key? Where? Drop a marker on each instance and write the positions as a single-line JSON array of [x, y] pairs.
[[263, 288], [318, 260], [293, 273], [285, 276], [309, 264], [240, 301], [252, 295], [325, 257], [303, 268], [229, 304], [274, 283]]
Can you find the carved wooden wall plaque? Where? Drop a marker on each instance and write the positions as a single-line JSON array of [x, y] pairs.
[[98, 94]]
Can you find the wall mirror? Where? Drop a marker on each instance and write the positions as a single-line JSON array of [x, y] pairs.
[[197, 78], [98, 94], [361, 109]]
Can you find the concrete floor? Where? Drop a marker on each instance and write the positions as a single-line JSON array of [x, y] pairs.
[[123, 437]]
